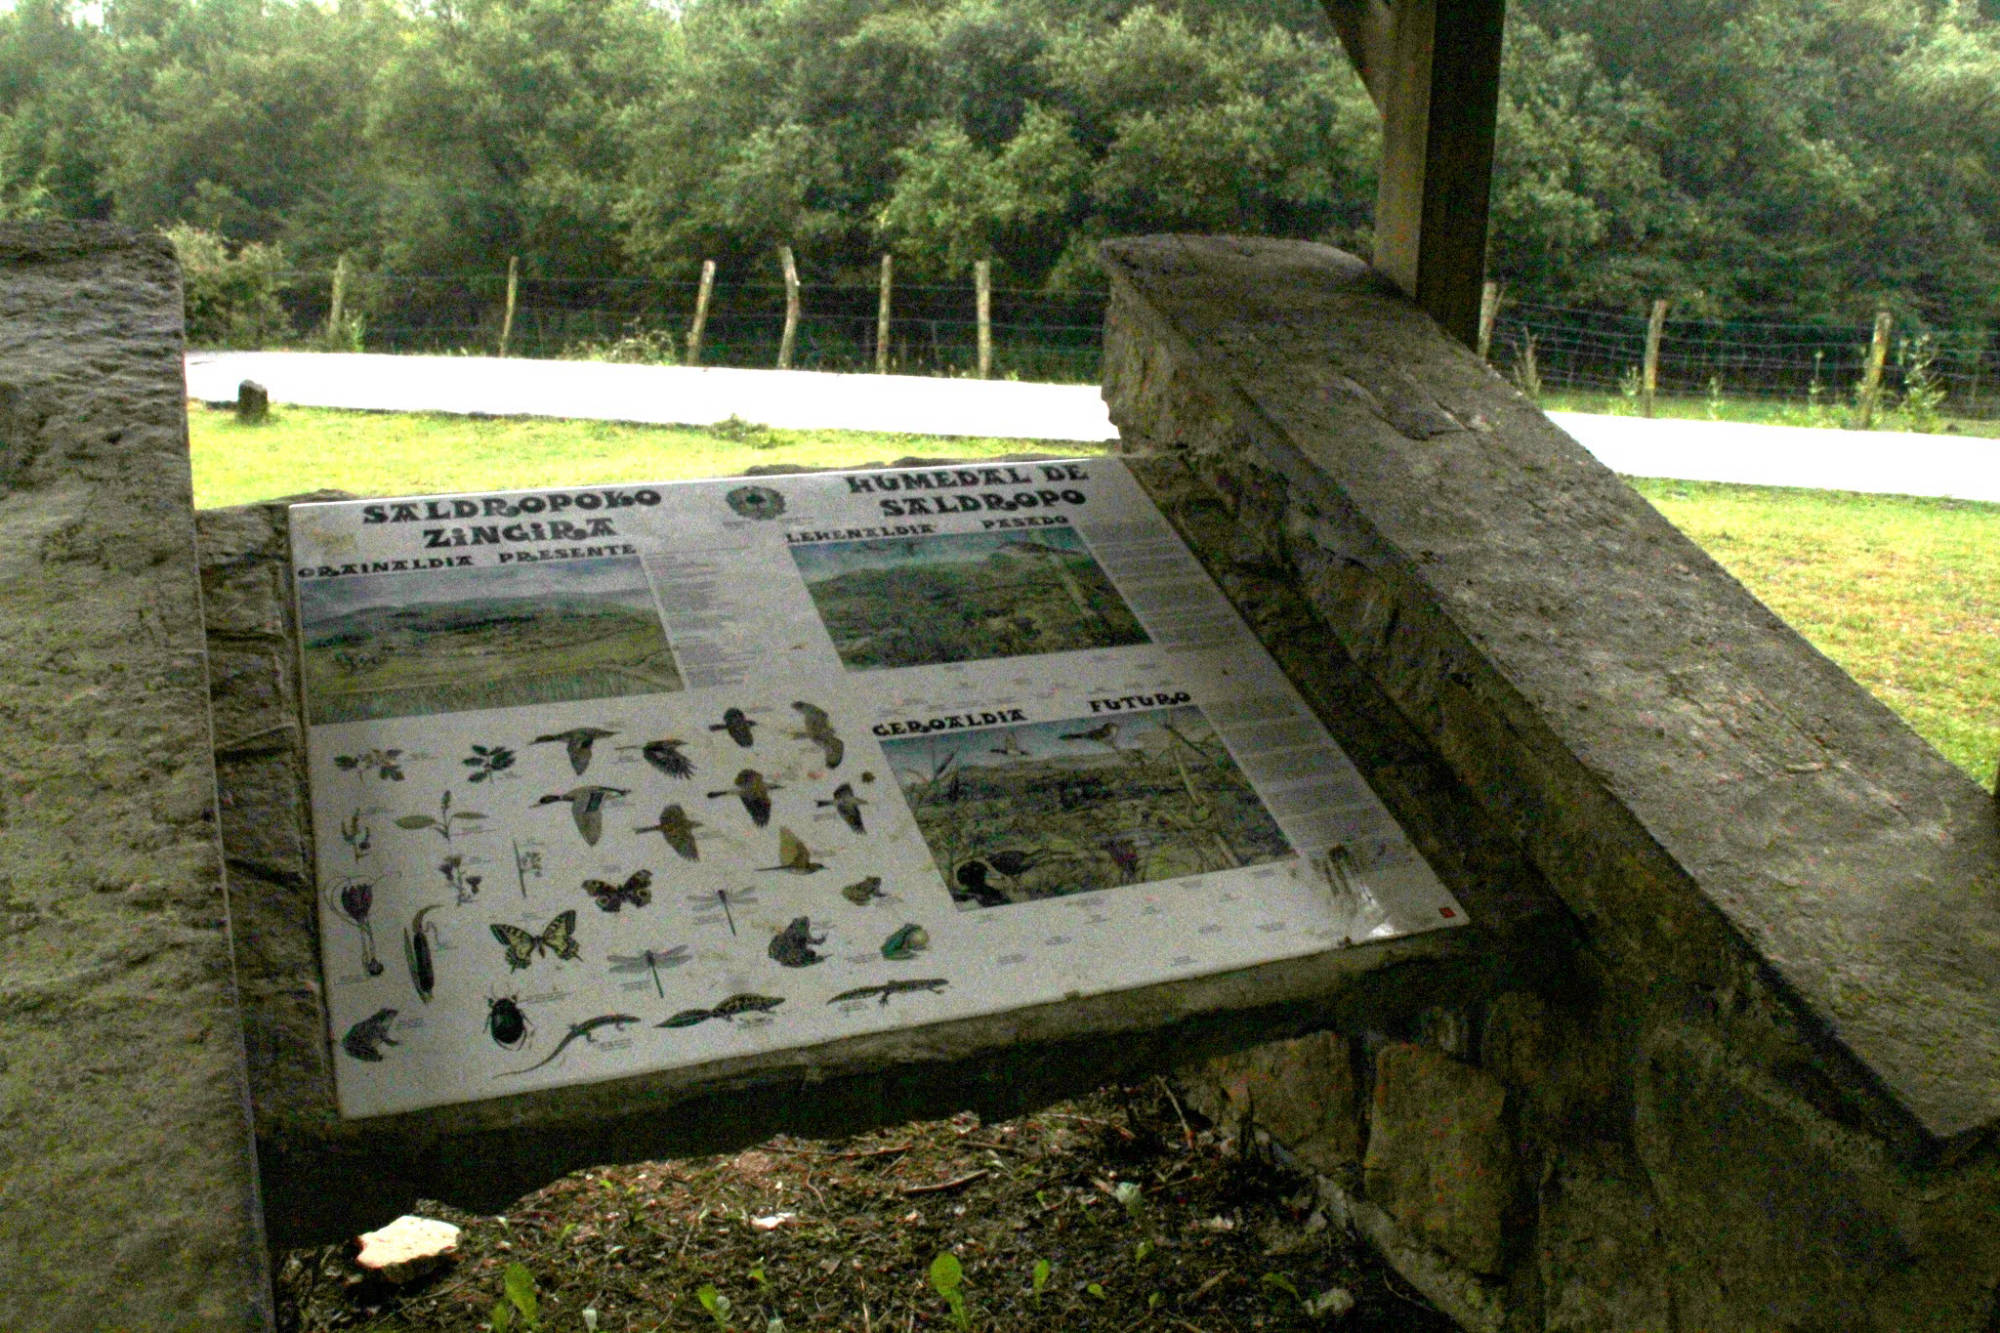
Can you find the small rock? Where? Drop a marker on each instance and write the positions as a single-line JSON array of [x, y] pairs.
[[408, 1248], [253, 402], [1331, 1303]]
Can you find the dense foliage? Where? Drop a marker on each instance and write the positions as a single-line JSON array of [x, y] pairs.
[[1817, 157]]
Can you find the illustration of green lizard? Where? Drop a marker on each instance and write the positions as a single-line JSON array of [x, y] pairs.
[[584, 1030]]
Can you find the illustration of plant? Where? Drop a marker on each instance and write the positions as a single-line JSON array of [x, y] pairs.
[[485, 762], [354, 902], [526, 864], [357, 835], [464, 885], [446, 817], [385, 764]]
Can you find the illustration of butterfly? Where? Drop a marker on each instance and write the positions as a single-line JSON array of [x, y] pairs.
[[636, 890], [558, 938]]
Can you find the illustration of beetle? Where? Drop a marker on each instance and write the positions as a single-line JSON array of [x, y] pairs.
[[506, 1022]]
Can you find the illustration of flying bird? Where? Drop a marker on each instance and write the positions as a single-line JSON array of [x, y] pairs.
[[577, 741], [678, 830], [1010, 747], [849, 805], [819, 730], [793, 857], [754, 792], [666, 756], [1106, 732], [586, 807], [738, 724]]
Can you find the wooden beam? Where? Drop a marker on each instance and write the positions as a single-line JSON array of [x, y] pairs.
[[1439, 94], [1365, 29]]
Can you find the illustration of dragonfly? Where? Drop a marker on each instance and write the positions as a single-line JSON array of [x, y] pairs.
[[650, 960], [708, 902]]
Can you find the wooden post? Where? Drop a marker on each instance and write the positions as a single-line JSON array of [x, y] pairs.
[[1439, 90], [1978, 349], [982, 281], [1871, 378], [1649, 375], [513, 291], [791, 335], [336, 309], [701, 311], [882, 319], [1489, 314]]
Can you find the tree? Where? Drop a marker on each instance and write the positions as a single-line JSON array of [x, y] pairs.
[[498, 129]]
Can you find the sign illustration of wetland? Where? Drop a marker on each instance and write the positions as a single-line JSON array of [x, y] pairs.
[[1019, 813], [963, 597], [378, 646]]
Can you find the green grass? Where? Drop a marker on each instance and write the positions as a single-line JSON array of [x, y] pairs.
[[381, 453], [1758, 412], [1903, 593]]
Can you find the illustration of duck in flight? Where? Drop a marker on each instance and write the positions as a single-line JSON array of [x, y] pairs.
[[586, 807], [576, 742]]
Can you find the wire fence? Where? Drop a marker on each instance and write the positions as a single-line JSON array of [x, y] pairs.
[[933, 329], [1585, 351], [1056, 336]]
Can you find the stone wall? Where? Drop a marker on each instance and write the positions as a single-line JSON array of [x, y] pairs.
[[1764, 1095], [128, 1193]]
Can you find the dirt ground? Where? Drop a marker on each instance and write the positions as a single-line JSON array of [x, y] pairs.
[[1120, 1211]]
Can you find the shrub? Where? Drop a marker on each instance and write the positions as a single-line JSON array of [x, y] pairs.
[[230, 300]]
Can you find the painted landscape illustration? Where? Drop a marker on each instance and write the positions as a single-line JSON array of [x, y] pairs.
[[1016, 814], [380, 646], [963, 597]]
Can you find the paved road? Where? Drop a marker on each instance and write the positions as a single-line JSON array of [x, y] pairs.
[[1879, 461], [664, 395]]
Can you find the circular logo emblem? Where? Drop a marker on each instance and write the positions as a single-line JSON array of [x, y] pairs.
[[756, 502]]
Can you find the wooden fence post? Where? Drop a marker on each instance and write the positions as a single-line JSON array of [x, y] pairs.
[[982, 279], [336, 309], [1489, 313], [1649, 375], [882, 319], [791, 335], [1871, 378], [701, 311], [513, 291]]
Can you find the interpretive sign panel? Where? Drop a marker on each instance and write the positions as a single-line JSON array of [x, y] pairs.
[[630, 778]]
